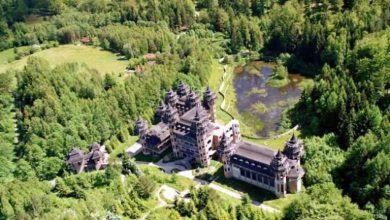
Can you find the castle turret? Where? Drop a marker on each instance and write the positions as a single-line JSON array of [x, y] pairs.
[[182, 89], [225, 151], [193, 99], [209, 99], [171, 98], [278, 166], [140, 126], [172, 117], [293, 148], [236, 132], [222, 146], [160, 112]]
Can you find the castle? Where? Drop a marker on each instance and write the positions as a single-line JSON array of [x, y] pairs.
[[186, 123]]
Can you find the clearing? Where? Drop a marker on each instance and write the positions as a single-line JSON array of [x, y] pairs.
[[93, 57]]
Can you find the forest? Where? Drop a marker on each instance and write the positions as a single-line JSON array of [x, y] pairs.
[[344, 45]]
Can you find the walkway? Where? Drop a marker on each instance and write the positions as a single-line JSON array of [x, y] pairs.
[[169, 193], [179, 165], [161, 204], [188, 174]]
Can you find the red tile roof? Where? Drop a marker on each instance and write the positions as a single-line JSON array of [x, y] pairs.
[[150, 56], [85, 40]]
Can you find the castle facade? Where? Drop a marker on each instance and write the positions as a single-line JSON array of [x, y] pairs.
[[186, 123]]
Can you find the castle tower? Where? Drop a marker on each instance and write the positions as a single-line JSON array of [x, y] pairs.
[[226, 150], [171, 98], [140, 126], [172, 118], [158, 117], [278, 166], [193, 99], [236, 132], [209, 99], [199, 130], [182, 89], [293, 148]]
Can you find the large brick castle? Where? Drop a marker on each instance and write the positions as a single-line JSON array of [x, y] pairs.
[[187, 124]]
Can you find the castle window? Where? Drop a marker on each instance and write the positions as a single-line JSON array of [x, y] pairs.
[[252, 164], [242, 172]]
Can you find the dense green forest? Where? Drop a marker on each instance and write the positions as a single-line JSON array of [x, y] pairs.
[[344, 45]]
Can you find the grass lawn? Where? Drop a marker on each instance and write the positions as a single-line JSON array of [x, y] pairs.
[[228, 200], [178, 182], [255, 193], [9, 54], [121, 147], [274, 143], [208, 173], [152, 158], [93, 57], [281, 203]]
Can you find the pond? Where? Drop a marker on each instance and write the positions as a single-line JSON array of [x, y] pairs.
[[261, 105]]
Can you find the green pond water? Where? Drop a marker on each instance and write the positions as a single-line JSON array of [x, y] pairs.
[[262, 105]]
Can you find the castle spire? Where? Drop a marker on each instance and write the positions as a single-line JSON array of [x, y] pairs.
[[293, 138], [197, 116], [293, 148]]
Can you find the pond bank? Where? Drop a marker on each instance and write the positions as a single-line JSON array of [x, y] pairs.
[[260, 105]]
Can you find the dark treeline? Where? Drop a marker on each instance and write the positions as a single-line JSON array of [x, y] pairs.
[[352, 101], [314, 32]]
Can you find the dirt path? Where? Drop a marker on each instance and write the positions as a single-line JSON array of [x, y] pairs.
[[161, 203]]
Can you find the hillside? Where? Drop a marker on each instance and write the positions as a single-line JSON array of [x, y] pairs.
[[93, 57]]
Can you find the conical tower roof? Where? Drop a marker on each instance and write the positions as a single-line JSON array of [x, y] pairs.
[[197, 116], [277, 163], [293, 138]]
